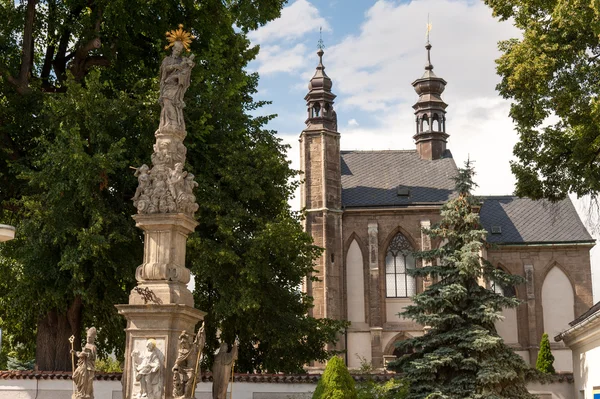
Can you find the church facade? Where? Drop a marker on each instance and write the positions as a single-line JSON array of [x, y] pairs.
[[367, 210]]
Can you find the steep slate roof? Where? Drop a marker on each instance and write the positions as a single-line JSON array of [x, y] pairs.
[[523, 220], [371, 178]]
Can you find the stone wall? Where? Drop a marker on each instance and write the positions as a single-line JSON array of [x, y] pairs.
[[560, 272], [62, 389]]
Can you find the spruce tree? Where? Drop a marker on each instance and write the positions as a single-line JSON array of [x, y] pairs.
[[545, 358], [461, 354], [336, 382]]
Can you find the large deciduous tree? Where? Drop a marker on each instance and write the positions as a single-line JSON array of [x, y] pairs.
[[461, 355], [552, 76], [78, 96]]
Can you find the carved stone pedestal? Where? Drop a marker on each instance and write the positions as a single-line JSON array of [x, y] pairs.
[[160, 306], [163, 277], [162, 323]]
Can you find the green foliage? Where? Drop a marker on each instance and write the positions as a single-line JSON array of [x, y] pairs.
[[336, 382], [108, 365], [392, 389], [16, 364], [551, 74], [461, 355], [70, 129], [545, 359]]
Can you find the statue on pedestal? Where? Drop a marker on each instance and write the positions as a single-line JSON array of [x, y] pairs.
[[149, 371], [83, 376], [167, 188], [222, 369], [185, 370], [175, 72]]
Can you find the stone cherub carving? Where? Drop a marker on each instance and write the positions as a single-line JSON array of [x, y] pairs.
[[175, 72], [185, 369], [83, 376], [221, 369], [149, 371]]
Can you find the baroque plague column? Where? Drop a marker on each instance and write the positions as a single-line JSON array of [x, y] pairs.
[[161, 306]]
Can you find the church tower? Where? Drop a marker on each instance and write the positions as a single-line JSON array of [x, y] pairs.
[[430, 111], [321, 193]]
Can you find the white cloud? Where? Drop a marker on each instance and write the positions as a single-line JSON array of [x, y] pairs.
[[273, 59], [372, 69], [297, 19]]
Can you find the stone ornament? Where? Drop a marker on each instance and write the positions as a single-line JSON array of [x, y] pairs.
[[84, 374], [222, 368], [166, 187], [185, 369], [149, 371]]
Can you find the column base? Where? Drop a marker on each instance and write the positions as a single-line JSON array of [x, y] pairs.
[[163, 323]]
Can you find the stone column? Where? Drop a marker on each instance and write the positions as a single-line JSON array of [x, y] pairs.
[[375, 320], [161, 306], [531, 314], [425, 246]]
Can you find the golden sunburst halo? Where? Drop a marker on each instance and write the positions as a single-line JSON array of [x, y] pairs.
[[179, 35]]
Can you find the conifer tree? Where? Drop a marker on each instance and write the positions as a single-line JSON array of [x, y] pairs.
[[545, 358], [461, 355], [336, 382]]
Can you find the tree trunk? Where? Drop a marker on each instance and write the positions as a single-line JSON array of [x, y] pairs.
[[52, 342]]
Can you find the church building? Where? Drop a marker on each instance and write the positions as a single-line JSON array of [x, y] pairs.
[[367, 210]]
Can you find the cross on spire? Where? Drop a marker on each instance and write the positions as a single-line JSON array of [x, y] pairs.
[[320, 44]]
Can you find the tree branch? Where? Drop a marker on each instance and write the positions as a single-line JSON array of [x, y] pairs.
[[27, 56]]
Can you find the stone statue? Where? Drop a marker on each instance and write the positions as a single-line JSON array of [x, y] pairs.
[[221, 370], [83, 376], [141, 199], [166, 187], [149, 371], [175, 72], [176, 181], [185, 369]]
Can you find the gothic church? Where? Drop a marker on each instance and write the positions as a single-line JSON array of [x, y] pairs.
[[367, 209]]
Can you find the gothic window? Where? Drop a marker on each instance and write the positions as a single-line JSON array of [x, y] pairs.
[[425, 124], [435, 123], [496, 287], [316, 110], [398, 259]]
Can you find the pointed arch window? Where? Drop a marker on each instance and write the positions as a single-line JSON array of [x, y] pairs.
[[316, 110], [398, 259]]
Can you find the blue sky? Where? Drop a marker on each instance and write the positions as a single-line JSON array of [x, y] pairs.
[[374, 50]]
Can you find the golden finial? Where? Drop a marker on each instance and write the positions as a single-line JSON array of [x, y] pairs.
[[179, 35], [428, 28]]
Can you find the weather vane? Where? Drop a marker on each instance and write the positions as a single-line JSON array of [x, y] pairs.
[[320, 44], [428, 28]]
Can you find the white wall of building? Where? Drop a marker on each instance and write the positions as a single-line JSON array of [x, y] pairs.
[[557, 301], [62, 389], [508, 328], [356, 284], [586, 361], [359, 348], [393, 306]]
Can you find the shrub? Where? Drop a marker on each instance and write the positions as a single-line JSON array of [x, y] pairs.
[[392, 389], [336, 382], [108, 365], [545, 358]]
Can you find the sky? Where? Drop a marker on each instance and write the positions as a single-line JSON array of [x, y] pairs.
[[374, 50]]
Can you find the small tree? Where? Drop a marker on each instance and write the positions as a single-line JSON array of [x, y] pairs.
[[461, 355], [336, 382], [545, 358]]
